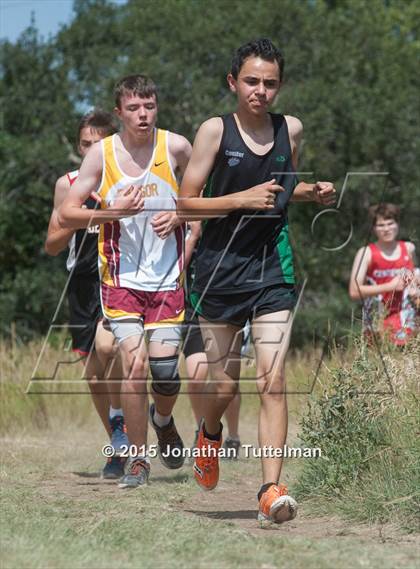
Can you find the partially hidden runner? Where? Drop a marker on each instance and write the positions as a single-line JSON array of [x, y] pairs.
[[90, 339], [385, 279], [247, 161], [196, 358], [141, 263]]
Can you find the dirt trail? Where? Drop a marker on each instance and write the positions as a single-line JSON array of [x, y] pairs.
[[234, 499], [73, 473], [230, 502]]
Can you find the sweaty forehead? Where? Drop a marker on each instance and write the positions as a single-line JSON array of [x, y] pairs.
[[383, 220], [90, 134], [130, 98], [258, 67]]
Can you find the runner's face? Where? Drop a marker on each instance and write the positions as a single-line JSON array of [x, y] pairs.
[[257, 84], [386, 229], [88, 136], [138, 115]]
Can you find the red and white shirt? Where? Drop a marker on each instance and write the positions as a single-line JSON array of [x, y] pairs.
[[392, 309]]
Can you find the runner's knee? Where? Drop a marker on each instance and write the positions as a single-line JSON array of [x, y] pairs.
[[106, 350], [135, 367], [271, 386], [165, 377], [227, 388]]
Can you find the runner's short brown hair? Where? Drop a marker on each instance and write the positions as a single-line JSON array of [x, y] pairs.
[[384, 210], [139, 85], [102, 121]]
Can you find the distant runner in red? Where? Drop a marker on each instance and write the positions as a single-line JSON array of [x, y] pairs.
[[384, 278]]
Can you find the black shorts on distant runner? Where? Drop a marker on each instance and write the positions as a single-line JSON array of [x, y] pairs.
[[193, 340], [237, 308], [85, 312]]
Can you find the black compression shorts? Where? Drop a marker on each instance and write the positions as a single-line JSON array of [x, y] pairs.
[[193, 341], [85, 312]]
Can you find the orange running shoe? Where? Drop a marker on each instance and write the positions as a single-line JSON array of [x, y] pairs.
[[206, 466], [276, 505]]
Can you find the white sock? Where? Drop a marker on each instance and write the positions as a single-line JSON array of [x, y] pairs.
[[142, 456], [161, 420], [115, 412]]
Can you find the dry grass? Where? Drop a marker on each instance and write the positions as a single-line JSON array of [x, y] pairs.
[[30, 402], [364, 416]]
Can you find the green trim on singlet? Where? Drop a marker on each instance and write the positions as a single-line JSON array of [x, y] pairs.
[[208, 187], [285, 254], [195, 301]]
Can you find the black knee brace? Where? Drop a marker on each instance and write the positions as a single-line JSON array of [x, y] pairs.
[[165, 377]]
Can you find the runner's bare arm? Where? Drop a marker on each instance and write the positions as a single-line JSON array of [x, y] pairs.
[[303, 191], [58, 238], [165, 222], [72, 215], [413, 285], [205, 148], [411, 249], [191, 242], [321, 192], [180, 152], [295, 128], [357, 287]]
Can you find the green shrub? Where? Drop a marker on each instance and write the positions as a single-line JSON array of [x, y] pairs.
[[364, 421]]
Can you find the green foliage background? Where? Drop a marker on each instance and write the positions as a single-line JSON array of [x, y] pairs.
[[351, 77]]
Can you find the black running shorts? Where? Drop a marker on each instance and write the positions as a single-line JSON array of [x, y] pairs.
[[193, 340], [85, 311], [237, 308]]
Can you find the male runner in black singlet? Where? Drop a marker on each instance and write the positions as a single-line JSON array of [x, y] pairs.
[[244, 267], [86, 329]]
